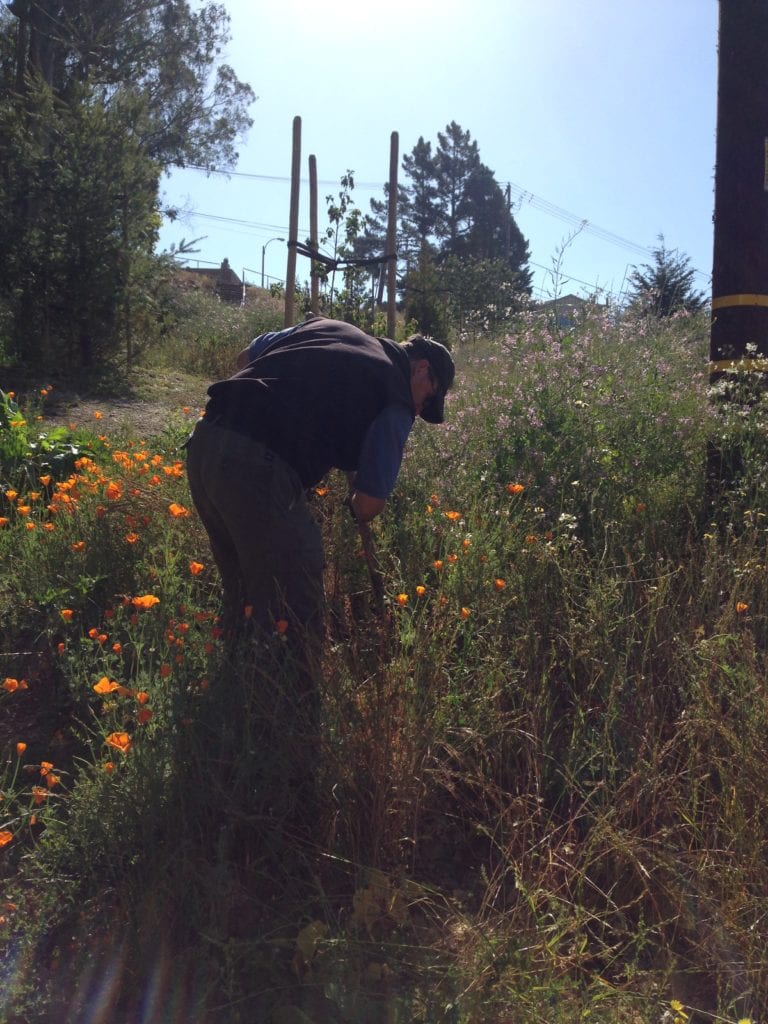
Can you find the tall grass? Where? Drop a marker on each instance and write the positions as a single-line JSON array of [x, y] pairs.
[[538, 792]]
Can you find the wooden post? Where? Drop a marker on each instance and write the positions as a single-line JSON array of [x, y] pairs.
[[293, 228], [740, 258], [392, 237], [314, 280]]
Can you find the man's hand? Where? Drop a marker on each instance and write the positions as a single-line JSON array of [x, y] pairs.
[[364, 507]]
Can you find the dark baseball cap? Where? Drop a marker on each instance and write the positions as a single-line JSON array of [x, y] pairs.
[[441, 362]]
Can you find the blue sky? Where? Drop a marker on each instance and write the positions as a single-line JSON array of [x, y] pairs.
[[599, 113]]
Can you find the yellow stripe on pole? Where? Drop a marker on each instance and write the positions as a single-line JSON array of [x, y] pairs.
[[724, 301], [753, 365]]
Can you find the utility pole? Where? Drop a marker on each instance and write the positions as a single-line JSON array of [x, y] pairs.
[[740, 259]]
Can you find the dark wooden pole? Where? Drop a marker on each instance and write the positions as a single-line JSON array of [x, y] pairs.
[[740, 259], [293, 228], [392, 237], [314, 280]]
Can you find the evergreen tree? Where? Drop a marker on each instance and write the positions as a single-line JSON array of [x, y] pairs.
[[457, 161], [465, 255], [419, 212], [665, 286]]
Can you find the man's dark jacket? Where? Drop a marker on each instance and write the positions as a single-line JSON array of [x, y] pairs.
[[312, 397]]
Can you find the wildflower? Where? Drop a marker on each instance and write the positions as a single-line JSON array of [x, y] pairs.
[[185, 409], [20, 748], [145, 601], [131, 538], [420, 591], [30, 526], [45, 479], [39, 795], [741, 607], [452, 559], [467, 543], [142, 697], [45, 767], [119, 741], [530, 538], [5, 837], [66, 614], [175, 470], [438, 564], [106, 685], [98, 415], [281, 626], [196, 568], [144, 716], [402, 600], [3, 521], [515, 488], [49, 527], [165, 670], [453, 516], [93, 632], [109, 767], [640, 507], [248, 611], [114, 491], [177, 511], [321, 491], [12, 685], [499, 584], [117, 647], [60, 647], [79, 545], [465, 613], [52, 780]]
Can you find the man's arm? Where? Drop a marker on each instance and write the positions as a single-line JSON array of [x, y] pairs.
[[380, 458]]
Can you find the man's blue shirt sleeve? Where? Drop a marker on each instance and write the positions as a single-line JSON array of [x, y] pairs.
[[266, 341], [382, 451]]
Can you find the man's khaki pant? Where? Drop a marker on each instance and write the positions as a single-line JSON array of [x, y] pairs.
[[265, 541]]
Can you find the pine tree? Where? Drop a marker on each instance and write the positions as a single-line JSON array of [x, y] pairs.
[[665, 286]]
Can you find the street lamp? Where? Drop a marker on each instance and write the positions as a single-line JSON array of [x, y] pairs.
[[263, 253]]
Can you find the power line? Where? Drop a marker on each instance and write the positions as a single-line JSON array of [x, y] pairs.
[[522, 195]]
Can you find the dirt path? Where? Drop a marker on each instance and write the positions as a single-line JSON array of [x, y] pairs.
[[145, 407]]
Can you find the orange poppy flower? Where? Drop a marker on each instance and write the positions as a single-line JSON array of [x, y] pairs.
[[402, 600], [177, 511], [453, 516], [20, 748], [145, 601], [499, 584], [119, 741], [515, 488], [196, 568], [5, 837]]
